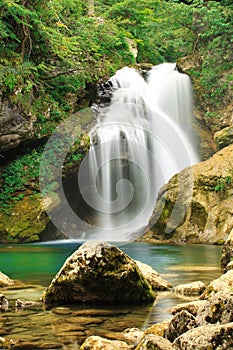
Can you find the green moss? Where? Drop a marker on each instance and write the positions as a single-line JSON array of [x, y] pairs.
[[26, 221]]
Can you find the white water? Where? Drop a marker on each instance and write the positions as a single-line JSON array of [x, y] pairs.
[[140, 141]]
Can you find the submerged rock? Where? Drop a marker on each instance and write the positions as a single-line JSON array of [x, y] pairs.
[[20, 304], [195, 206], [99, 273], [209, 337]]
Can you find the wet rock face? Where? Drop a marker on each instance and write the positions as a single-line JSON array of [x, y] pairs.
[[99, 273], [200, 210], [15, 126], [104, 93]]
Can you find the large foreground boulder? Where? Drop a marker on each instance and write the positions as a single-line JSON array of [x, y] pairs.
[[99, 273]]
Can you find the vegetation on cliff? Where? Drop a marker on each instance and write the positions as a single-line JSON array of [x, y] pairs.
[[52, 49]]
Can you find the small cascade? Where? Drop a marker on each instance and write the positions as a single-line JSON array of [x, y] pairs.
[[141, 139]]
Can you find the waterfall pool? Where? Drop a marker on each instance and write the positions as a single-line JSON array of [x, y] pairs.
[[67, 327]]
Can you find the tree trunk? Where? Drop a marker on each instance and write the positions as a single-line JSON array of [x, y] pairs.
[[90, 7]]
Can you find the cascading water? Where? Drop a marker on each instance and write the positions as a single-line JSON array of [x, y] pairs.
[[141, 139]]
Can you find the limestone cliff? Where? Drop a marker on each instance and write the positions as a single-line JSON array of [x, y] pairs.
[[195, 206]]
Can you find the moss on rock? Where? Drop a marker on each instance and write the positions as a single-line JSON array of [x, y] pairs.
[[195, 206], [25, 222], [99, 273]]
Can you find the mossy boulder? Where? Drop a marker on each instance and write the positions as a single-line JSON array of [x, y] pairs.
[[195, 206], [25, 222], [99, 273]]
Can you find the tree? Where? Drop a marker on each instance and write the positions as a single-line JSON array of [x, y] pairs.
[[90, 7]]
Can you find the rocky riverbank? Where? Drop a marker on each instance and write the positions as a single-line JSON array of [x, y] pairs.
[[205, 321]]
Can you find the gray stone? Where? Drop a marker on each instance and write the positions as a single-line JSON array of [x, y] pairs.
[[223, 284], [191, 307], [99, 273], [217, 309], [6, 343], [190, 289], [15, 125], [182, 322], [154, 342], [227, 251], [99, 343], [3, 302], [209, 337], [5, 281], [133, 335], [229, 266]]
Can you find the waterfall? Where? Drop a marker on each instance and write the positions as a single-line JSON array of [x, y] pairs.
[[141, 139]]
